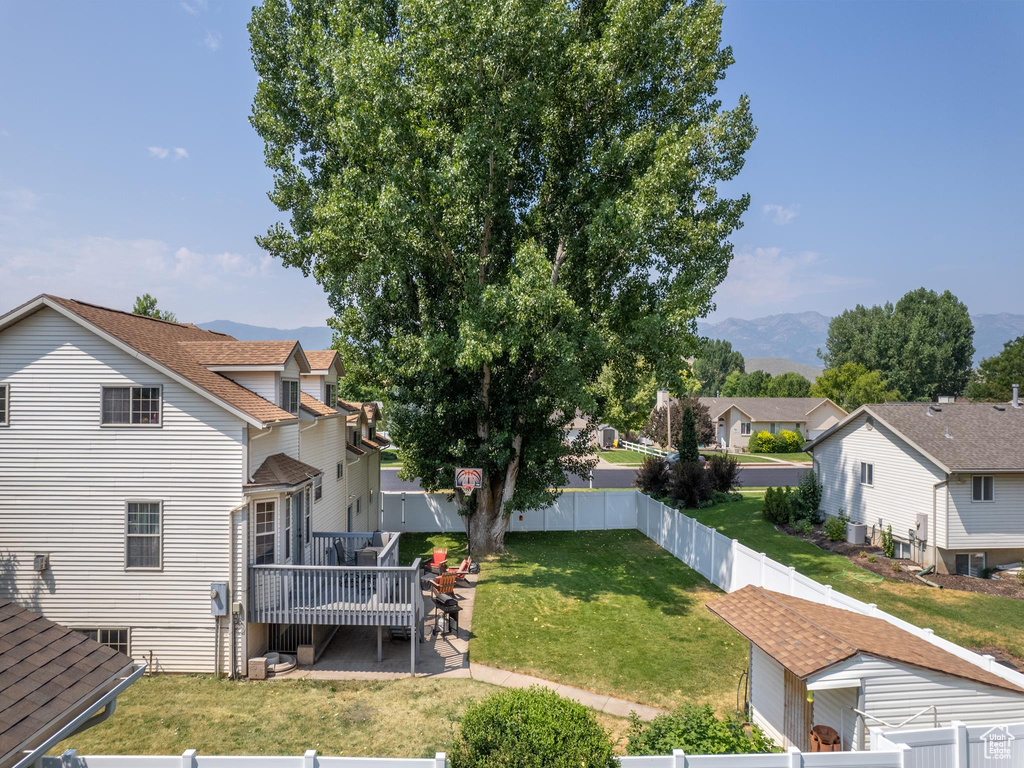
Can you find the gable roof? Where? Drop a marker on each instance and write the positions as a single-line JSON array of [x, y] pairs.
[[957, 437], [311, 405], [280, 469], [246, 353], [158, 343], [807, 638], [49, 675], [323, 359], [793, 409]]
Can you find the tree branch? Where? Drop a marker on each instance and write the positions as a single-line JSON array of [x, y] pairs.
[[559, 259]]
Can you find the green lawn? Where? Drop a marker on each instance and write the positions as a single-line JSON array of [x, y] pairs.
[[622, 456], [390, 458], [970, 619]]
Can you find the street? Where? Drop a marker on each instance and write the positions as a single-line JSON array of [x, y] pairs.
[[750, 476]]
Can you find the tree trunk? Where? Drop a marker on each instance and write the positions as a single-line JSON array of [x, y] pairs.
[[489, 522]]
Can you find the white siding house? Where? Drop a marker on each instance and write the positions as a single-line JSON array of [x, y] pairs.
[[133, 459], [948, 478]]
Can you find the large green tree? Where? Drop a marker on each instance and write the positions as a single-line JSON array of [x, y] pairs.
[[145, 305], [751, 384], [851, 385], [500, 202], [715, 360], [996, 375], [788, 384], [922, 345]]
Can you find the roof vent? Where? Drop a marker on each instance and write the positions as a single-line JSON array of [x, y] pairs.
[[1016, 400], [999, 407], [947, 435], [870, 422]]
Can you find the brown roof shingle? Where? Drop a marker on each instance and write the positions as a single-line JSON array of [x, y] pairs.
[[282, 469], [240, 352], [314, 406], [321, 359], [160, 341], [45, 671], [807, 637]]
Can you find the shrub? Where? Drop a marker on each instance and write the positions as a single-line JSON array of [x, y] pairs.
[[872, 558], [689, 484], [1020, 577], [533, 728], [718, 497], [723, 471], [804, 527], [788, 441], [687, 447], [762, 442], [835, 527], [652, 477], [888, 545], [697, 731], [807, 498], [778, 505]]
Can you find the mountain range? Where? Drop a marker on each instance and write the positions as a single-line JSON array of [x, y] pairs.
[[792, 336]]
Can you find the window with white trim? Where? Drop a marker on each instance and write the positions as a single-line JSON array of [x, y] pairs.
[[131, 405], [744, 428], [984, 488], [290, 396], [339, 470], [318, 487], [266, 531], [867, 473], [4, 400], [289, 512], [118, 639], [331, 394], [143, 534], [307, 513]]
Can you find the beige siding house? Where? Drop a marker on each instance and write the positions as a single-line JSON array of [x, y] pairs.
[[948, 478], [737, 419], [142, 461]]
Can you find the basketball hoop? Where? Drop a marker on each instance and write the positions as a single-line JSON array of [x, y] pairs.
[[468, 479]]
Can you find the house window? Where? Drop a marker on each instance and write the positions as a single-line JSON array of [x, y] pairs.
[[318, 487], [131, 405], [867, 473], [970, 564], [772, 427], [744, 428], [359, 506], [142, 534], [307, 513], [289, 512], [984, 488], [340, 470], [290, 396], [265, 531], [331, 394], [357, 438], [4, 399], [112, 638]]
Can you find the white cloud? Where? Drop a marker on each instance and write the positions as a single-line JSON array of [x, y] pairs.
[[780, 214], [193, 7], [770, 278], [18, 200], [212, 40], [160, 153], [180, 153]]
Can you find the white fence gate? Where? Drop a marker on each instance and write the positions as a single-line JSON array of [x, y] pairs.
[[958, 746]]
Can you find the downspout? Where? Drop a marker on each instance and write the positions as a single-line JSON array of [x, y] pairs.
[[233, 672]]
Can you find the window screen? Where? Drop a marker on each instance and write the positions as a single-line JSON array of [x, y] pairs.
[[290, 396], [143, 535], [131, 405], [3, 403], [112, 638], [265, 531], [984, 488], [867, 473]]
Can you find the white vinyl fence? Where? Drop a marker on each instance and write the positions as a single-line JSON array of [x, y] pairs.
[[724, 562], [794, 758], [650, 450], [958, 746]]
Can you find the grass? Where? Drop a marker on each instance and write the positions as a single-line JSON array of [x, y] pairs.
[[622, 456], [608, 611], [390, 459], [967, 618]]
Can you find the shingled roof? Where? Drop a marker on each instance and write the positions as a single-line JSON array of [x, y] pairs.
[[242, 353], [807, 638], [280, 469], [321, 359], [311, 405], [161, 342], [765, 408], [48, 675]]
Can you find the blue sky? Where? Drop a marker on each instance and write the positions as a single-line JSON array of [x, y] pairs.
[[889, 156]]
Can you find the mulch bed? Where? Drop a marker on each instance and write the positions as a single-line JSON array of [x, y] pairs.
[[1006, 586]]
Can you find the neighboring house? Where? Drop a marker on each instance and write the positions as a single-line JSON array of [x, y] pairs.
[[54, 683], [948, 478], [812, 664], [603, 436], [146, 460]]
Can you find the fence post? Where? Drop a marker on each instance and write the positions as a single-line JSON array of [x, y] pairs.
[[959, 744], [309, 759], [905, 753], [712, 570], [440, 760], [828, 594], [796, 759], [872, 609], [678, 758], [188, 758], [792, 578], [68, 758], [732, 568], [990, 659], [763, 557]]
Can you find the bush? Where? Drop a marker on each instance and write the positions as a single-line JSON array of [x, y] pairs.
[[835, 527], [888, 545], [778, 505], [762, 442], [533, 728], [652, 477], [689, 484], [807, 499], [718, 497], [696, 731], [788, 441], [723, 471], [804, 527]]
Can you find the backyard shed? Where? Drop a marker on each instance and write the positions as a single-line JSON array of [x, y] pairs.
[[812, 664]]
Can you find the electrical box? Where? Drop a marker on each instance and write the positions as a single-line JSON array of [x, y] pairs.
[[922, 526], [219, 598], [40, 562]]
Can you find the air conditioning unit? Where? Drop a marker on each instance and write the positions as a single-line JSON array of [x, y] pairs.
[[856, 533]]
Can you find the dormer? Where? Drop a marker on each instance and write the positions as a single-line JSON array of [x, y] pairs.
[[321, 382], [271, 369]]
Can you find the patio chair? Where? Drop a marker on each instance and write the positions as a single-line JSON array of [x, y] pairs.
[[437, 564], [444, 584], [462, 571]]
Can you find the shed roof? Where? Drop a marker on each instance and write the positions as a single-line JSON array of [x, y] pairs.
[[48, 674], [793, 409], [807, 638], [958, 437], [281, 469]]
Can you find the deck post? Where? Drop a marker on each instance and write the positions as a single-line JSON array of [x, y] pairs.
[[380, 644]]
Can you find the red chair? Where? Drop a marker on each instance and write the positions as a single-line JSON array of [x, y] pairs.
[[437, 564], [462, 571]]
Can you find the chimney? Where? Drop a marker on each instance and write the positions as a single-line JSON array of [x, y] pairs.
[[1016, 392], [662, 398]]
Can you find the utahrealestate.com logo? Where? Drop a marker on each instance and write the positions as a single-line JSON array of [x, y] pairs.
[[998, 742]]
